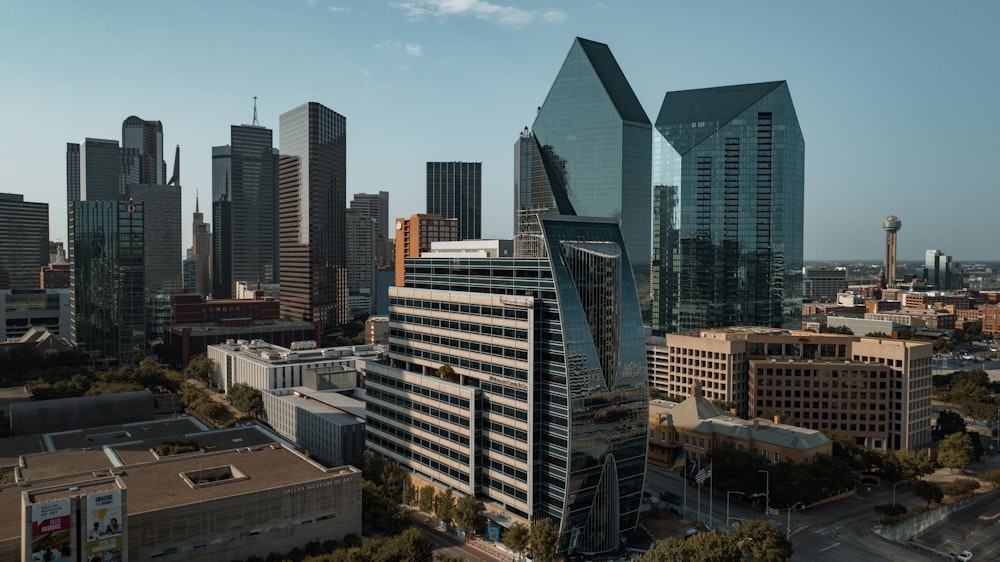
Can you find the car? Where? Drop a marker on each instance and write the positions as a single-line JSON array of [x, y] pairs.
[[964, 556]]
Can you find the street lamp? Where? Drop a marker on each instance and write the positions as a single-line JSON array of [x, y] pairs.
[[788, 524], [728, 495], [894, 499], [767, 491]]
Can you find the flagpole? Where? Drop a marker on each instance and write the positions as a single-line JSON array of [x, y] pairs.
[[710, 502], [684, 483], [699, 493]]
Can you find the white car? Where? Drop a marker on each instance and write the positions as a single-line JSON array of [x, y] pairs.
[[964, 556]]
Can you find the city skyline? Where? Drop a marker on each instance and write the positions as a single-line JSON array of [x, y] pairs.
[[412, 76]]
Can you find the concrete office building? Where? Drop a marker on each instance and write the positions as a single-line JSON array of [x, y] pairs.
[[878, 390], [56, 275], [162, 253], [455, 191], [415, 235], [327, 423], [22, 309], [820, 283], [265, 366], [471, 249], [312, 181], [376, 206], [728, 176], [219, 503], [545, 415], [107, 290], [24, 241], [362, 247], [589, 151]]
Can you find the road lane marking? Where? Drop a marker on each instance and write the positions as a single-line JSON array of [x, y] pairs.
[[836, 544]]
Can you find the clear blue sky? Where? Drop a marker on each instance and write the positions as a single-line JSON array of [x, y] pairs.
[[898, 100]]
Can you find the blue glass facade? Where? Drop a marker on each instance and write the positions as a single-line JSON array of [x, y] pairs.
[[593, 140], [554, 346], [728, 173]]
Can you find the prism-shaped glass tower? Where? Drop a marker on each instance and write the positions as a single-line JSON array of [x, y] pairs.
[[590, 153], [728, 182]]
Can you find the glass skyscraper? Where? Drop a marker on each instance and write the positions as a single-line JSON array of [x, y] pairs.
[[728, 173], [455, 191], [312, 188], [24, 241], [107, 286], [551, 348], [591, 149], [246, 174]]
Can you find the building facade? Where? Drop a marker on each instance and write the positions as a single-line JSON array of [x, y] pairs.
[[312, 206], [328, 424], [940, 272], [21, 309], [146, 139], [162, 253], [376, 206], [877, 390], [590, 152], [107, 290], [820, 283], [415, 236], [246, 173], [728, 176], [201, 252], [362, 247], [544, 411], [455, 191], [24, 241]]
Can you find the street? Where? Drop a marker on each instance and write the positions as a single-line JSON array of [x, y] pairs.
[[834, 531]]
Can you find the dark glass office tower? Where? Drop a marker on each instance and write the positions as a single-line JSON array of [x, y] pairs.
[[146, 138], [552, 347], [454, 191], [376, 206], [222, 246], [312, 186], [728, 188], [591, 153], [24, 241], [107, 285], [247, 172]]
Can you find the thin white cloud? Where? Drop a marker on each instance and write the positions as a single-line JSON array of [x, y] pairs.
[[511, 16], [410, 49], [338, 9]]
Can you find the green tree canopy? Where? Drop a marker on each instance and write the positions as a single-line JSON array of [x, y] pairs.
[[929, 491], [246, 399], [470, 515], [956, 451], [444, 506], [544, 539], [765, 541], [201, 368], [516, 538], [425, 501], [960, 488]]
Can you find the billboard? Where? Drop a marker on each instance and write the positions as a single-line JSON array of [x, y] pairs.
[[105, 527], [52, 531]]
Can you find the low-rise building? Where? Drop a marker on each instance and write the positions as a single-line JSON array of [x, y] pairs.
[[695, 426], [328, 424], [878, 390], [22, 309]]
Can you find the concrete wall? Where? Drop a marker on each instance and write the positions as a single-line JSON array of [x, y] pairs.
[[904, 530], [64, 414]]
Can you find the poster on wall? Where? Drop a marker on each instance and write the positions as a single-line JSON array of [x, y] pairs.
[[52, 531], [105, 527]]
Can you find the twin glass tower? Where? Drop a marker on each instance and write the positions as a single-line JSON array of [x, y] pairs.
[[722, 167]]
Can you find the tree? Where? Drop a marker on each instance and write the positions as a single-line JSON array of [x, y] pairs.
[[956, 451], [949, 422], [470, 515], [961, 488], [201, 368], [914, 464], [246, 399], [707, 547], [447, 373], [765, 542], [544, 539], [425, 501], [928, 491], [444, 506], [211, 410], [516, 538], [889, 511]]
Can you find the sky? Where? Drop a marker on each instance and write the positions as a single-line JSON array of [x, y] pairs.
[[897, 99]]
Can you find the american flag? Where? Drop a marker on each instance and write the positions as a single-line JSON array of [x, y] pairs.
[[704, 474]]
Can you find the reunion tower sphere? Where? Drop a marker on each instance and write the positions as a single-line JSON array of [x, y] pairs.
[[892, 223]]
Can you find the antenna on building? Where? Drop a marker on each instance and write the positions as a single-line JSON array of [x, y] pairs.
[[255, 123]]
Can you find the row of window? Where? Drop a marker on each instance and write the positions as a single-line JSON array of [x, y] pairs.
[[407, 404], [408, 452], [463, 344], [443, 358], [400, 434], [465, 327], [515, 313], [407, 420], [433, 394]]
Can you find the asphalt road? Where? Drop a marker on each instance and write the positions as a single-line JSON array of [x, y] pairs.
[[835, 531], [976, 529]]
